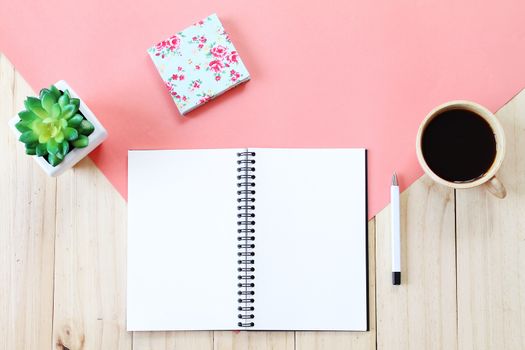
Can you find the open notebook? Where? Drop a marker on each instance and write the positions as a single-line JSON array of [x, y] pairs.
[[251, 239]]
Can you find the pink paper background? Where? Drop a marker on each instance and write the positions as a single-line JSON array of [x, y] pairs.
[[324, 73]]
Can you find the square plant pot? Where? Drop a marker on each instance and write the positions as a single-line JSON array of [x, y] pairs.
[[76, 154]]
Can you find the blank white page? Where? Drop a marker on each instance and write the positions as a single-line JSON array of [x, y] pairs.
[[310, 245], [182, 262]]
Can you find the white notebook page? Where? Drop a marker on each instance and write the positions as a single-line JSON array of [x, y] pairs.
[[182, 252], [310, 252]]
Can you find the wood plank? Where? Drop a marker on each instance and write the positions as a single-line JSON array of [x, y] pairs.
[[253, 340], [90, 267], [348, 340], [421, 313], [172, 340], [491, 249], [27, 231]]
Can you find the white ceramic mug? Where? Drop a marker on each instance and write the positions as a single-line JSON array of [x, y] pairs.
[[488, 179]]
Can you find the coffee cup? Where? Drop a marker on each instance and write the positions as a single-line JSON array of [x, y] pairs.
[[461, 144]]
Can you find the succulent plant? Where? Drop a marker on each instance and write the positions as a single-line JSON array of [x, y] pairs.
[[52, 125]]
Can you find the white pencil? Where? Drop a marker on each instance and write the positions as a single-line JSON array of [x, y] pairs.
[[396, 237]]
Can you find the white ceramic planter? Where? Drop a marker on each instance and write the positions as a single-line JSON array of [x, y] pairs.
[[76, 154]]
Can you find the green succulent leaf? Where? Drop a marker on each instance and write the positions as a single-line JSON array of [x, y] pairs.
[[86, 128], [53, 160], [27, 116], [41, 149], [63, 100], [31, 151], [71, 134], [64, 147], [55, 91], [31, 144], [52, 146], [59, 137], [43, 92], [22, 127], [75, 102], [56, 111], [75, 121], [33, 104], [48, 100], [44, 138], [69, 111], [44, 130], [28, 137], [81, 142], [51, 125]]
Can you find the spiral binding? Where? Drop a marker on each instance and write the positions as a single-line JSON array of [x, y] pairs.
[[246, 237]]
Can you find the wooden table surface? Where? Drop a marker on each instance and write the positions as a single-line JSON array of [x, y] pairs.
[[63, 261]]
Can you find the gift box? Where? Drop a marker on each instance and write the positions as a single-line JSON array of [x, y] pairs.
[[198, 63]]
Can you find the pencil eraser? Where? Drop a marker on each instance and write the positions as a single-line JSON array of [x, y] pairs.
[[396, 278]]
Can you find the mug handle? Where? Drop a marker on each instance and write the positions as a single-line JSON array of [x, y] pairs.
[[495, 187]]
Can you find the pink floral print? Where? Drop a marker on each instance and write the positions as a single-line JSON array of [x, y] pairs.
[[199, 23], [200, 40], [233, 57], [216, 66], [225, 35], [234, 76], [198, 63], [179, 75], [219, 51], [174, 42], [168, 46], [203, 98], [195, 85]]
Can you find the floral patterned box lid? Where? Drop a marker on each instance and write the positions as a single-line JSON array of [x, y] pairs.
[[198, 63]]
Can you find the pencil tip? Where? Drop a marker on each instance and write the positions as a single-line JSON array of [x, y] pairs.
[[394, 179]]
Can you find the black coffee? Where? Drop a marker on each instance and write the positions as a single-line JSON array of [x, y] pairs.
[[458, 145]]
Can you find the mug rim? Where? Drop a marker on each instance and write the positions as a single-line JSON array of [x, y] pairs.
[[482, 112]]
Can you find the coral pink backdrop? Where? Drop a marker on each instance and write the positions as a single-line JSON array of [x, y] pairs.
[[324, 73]]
